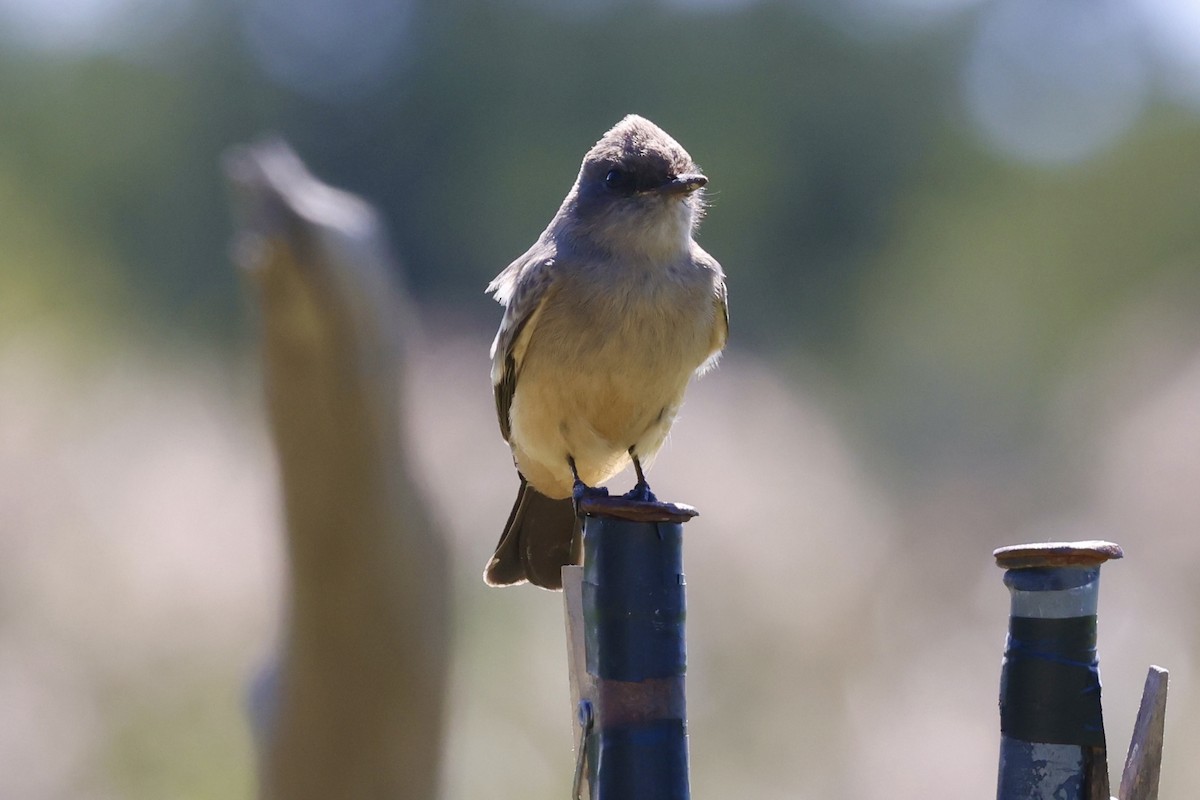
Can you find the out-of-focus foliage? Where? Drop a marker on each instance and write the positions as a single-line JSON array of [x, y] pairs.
[[961, 245], [836, 162], [470, 141]]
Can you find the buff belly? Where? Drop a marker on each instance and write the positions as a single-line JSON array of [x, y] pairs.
[[592, 417]]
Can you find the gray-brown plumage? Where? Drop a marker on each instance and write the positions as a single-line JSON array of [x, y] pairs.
[[607, 316]]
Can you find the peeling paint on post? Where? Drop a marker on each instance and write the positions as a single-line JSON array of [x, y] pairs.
[[1052, 727]]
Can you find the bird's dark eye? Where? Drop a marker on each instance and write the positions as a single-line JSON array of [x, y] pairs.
[[618, 180]]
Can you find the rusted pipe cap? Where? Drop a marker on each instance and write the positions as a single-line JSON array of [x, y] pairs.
[[1056, 554], [593, 504]]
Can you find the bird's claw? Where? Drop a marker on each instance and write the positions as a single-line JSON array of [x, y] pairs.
[[641, 493], [581, 490]]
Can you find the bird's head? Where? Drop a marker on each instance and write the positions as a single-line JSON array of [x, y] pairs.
[[638, 192]]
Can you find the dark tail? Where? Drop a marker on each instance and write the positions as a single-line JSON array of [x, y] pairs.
[[538, 540]]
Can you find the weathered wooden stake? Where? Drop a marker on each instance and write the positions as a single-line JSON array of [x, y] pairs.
[[1144, 762], [583, 686], [1052, 743]]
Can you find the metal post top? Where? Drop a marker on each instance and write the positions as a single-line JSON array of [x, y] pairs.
[[1056, 554]]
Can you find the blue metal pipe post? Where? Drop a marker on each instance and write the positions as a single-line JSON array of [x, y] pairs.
[[634, 608], [1051, 723]]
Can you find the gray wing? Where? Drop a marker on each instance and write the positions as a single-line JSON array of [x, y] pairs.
[[521, 287], [720, 331]]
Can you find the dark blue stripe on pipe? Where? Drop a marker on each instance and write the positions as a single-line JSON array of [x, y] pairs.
[[634, 599], [1050, 683], [643, 761]]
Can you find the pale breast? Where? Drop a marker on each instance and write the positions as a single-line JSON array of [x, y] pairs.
[[608, 364]]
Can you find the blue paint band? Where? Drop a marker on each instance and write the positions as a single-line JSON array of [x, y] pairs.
[[1049, 579], [643, 761], [1050, 682], [634, 603]]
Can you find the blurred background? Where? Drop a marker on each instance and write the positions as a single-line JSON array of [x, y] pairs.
[[964, 266]]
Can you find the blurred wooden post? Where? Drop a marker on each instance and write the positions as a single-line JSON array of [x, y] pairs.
[[632, 597], [1052, 744], [352, 706]]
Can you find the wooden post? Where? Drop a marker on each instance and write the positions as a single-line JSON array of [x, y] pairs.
[[352, 704], [1052, 743], [632, 599], [583, 686], [1144, 762]]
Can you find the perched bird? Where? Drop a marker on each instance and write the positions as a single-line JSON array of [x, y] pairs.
[[606, 318]]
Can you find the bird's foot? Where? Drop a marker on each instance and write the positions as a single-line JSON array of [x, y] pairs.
[[582, 495], [641, 493], [637, 505]]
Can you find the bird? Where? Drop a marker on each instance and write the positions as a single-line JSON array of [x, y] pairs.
[[607, 317]]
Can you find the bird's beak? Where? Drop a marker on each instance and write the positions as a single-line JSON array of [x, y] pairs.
[[683, 184]]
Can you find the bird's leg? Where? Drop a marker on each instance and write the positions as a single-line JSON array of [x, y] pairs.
[[640, 491], [639, 505], [581, 489]]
